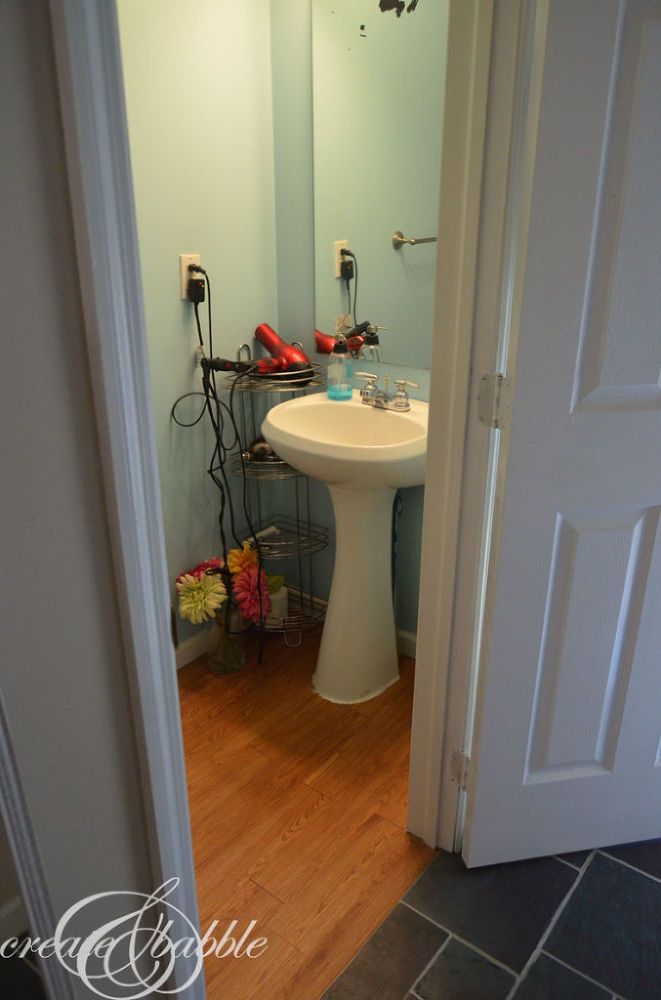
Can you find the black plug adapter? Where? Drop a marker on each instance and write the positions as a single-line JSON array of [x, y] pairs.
[[196, 290], [346, 269]]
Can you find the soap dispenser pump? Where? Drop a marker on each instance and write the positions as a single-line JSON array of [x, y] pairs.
[[338, 373]]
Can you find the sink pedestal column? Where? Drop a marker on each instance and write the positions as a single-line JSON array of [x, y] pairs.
[[358, 654]]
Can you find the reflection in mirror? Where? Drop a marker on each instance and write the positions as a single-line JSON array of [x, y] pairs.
[[378, 82]]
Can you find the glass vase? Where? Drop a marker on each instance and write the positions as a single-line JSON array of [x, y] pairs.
[[226, 652]]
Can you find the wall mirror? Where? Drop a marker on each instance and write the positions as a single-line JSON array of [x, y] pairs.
[[378, 73]]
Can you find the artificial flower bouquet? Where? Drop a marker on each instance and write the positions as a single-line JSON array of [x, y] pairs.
[[203, 590]]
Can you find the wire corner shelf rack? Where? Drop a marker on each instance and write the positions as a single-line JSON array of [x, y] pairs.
[[291, 538], [262, 383]]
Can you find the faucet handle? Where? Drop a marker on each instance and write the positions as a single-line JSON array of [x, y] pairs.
[[368, 389], [401, 401]]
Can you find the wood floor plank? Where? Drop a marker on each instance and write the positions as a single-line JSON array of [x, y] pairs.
[[352, 871], [353, 913], [248, 839], [232, 978], [246, 978], [373, 764], [298, 811]]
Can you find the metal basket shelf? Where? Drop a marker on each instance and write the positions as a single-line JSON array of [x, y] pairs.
[[292, 537], [248, 383], [302, 613], [262, 470]]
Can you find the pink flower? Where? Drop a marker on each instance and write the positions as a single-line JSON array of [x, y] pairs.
[[214, 564], [247, 587], [201, 569]]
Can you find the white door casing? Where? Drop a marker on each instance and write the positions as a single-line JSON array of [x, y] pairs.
[[464, 123], [567, 752]]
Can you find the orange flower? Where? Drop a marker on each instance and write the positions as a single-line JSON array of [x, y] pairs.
[[239, 560]]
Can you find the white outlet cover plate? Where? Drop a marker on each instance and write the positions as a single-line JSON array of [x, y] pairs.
[[184, 260], [338, 246]]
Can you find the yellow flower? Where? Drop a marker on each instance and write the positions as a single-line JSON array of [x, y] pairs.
[[199, 597], [240, 559]]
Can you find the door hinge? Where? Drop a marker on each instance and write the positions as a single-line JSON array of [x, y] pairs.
[[493, 398], [459, 768]]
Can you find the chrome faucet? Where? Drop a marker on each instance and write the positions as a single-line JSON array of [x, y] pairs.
[[384, 399]]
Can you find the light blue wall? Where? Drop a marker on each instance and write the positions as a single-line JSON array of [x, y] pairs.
[[378, 110], [198, 91], [220, 121], [296, 222], [291, 52]]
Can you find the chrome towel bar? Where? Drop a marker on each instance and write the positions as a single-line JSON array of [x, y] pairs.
[[399, 240]]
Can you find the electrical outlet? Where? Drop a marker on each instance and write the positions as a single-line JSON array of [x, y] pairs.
[[339, 245], [184, 274]]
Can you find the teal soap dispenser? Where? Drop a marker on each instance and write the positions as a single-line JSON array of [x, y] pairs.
[[338, 373]]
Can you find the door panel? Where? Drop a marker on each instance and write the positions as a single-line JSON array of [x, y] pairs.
[[620, 358], [599, 572], [567, 752]]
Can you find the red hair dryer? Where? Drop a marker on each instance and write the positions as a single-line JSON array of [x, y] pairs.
[[278, 348], [293, 363], [325, 343]]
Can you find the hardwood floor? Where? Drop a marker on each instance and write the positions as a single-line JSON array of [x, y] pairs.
[[298, 810]]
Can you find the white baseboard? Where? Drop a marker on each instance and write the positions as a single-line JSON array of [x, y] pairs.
[[191, 649], [13, 918], [406, 643]]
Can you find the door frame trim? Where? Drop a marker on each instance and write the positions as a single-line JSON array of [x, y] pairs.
[[91, 94], [517, 65], [434, 797], [490, 118], [522, 88]]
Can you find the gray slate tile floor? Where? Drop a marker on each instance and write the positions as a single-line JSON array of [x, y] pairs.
[[19, 979], [583, 926]]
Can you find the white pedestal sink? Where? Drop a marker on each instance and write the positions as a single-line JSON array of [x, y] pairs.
[[364, 454]]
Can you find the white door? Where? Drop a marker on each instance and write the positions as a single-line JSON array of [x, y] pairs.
[[568, 751]]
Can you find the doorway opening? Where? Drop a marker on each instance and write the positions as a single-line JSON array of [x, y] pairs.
[[95, 223], [298, 803]]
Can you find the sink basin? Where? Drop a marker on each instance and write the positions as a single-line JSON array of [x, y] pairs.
[[364, 455], [346, 443]]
